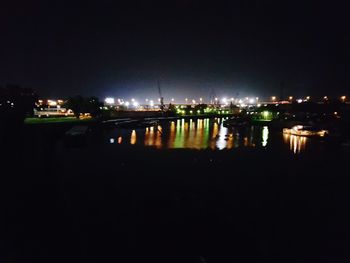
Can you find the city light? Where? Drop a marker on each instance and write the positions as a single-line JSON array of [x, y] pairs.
[[325, 98], [194, 101], [151, 103], [172, 100], [109, 100], [273, 98], [307, 97], [127, 104], [135, 104], [251, 101], [52, 102], [290, 98], [299, 100], [224, 100], [343, 98], [201, 99]]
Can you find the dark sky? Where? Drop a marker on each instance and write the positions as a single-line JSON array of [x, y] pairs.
[[110, 48]]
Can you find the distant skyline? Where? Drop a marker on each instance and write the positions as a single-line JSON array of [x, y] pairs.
[[107, 48]]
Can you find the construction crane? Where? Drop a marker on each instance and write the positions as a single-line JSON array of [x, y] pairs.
[[160, 96]]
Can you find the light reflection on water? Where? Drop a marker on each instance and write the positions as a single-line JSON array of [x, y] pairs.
[[205, 134], [193, 134], [296, 143]]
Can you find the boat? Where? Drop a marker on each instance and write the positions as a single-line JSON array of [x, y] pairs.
[[307, 131]]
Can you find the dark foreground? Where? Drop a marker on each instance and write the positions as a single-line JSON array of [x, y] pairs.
[[144, 205]]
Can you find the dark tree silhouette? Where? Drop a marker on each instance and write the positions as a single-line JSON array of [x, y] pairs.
[[78, 104]]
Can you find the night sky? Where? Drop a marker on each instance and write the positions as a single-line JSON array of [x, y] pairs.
[[109, 48]]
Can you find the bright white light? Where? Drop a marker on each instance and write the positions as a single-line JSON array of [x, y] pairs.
[[109, 100], [111, 140], [265, 136], [240, 101], [132, 99], [151, 103], [127, 103], [259, 105], [299, 100], [172, 99], [251, 101], [193, 101], [232, 99], [52, 102], [224, 100], [135, 104]]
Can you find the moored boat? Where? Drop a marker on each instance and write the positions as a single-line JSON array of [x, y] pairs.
[[308, 131]]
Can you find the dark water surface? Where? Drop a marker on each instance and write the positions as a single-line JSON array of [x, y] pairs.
[[210, 134], [258, 197]]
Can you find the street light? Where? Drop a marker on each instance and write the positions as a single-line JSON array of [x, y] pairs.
[[107, 100], [290, 97], [343, 98], [273, 98], [307, 97], [200, 99]]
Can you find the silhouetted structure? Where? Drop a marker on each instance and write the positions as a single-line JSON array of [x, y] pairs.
[[16, 102]]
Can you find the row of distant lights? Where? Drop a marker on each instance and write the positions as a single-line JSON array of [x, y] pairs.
[[290, 98], [51, 102], [225, 101]]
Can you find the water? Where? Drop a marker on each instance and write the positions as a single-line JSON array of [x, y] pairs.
[[208, 134]]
